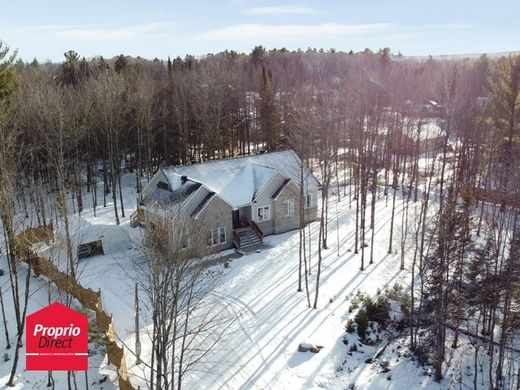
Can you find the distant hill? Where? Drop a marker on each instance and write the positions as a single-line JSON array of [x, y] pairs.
[[461, 56]]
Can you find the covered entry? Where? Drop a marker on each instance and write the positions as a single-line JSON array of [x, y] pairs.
[[236, 219], [241, 217]]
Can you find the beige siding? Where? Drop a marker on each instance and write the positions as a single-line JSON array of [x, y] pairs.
[[217, 213], [265, 199]]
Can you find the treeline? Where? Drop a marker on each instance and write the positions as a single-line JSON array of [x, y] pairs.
[[361, 120], [128, 113]]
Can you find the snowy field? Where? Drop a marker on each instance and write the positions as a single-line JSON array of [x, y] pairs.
[[269, 317]]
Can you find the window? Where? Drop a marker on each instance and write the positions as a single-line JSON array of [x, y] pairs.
[[216, 236], [289, 207], [222, 235], [163, 186], [308, 201], [263, 214]]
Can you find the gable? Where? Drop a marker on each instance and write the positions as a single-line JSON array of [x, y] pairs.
[[271, 187], [159, 177], [288, 185], [202, 204], [172, 192], [214, 206], [247, 184]]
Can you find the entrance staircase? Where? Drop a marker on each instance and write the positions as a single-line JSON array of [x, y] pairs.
[[137, 218], [248, 237]]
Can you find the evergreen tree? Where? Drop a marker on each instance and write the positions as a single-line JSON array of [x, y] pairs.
[[84, 69], [170, 66], [102, 64], [505, 114], [7, 74], [269, 118], [257, 56], [121, 63], [69, 74]]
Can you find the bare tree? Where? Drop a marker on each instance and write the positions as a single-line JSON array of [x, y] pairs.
[[186, 322]]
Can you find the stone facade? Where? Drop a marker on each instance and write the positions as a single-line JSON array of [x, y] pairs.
[[231, 192], [311, 214], [284, 223], [215, 214]]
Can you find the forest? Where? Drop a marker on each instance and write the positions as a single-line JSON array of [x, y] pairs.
[[359, 121]]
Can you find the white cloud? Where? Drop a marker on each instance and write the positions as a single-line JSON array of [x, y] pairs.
[[448, 26], [301, 31], [280, 10], [158, 29]]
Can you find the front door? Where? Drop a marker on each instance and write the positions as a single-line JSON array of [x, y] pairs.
[[236, 219]]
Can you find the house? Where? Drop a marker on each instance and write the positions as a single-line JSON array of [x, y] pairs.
[[428, 137], [429, 109], [241, 199], [431, 136]]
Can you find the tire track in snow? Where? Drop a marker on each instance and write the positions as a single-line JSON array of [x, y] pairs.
[[239, 308]]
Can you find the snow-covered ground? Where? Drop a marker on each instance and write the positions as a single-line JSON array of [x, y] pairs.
[[259, 349], [269, 317], [99, 372], [117, 240], [259, 290]]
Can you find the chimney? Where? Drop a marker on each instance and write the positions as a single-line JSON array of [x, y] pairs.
[[184, 179]]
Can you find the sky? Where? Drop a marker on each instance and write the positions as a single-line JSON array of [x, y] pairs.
[[45, 29]]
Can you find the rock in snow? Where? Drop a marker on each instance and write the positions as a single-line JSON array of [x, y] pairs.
[[309, 347]]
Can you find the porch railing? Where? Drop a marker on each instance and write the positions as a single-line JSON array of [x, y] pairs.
[[137, 217], [236, 239], [257, 230]]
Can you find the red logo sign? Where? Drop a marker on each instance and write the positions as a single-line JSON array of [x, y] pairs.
[[56, 338]]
